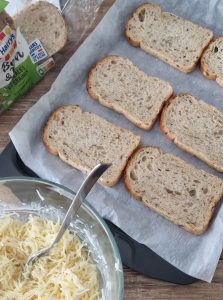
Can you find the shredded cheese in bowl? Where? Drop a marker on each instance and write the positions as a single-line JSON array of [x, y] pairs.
[[67, 272]]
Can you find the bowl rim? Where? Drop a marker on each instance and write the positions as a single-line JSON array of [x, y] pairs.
[[89, 207]]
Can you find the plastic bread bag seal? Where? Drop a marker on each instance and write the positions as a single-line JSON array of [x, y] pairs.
[[23, 64]]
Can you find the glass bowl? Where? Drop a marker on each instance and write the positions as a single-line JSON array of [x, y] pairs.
[[24, 196]]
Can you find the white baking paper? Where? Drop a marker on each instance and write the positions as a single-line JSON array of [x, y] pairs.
[[195, 255]]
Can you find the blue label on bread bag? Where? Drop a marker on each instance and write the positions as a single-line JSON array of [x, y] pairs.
[[37, 51]]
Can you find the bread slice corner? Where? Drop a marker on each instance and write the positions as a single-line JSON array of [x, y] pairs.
[[211, 63], [128, 176], [164, 113], [45, 134], [139, 13], [89, 84]]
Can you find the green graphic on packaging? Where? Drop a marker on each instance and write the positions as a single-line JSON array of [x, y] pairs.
[[24, 78], [3, 5], [18, 73]]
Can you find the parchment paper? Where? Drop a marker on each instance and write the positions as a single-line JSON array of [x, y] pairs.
[[196, 256]]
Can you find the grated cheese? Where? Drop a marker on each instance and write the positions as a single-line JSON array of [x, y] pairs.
[[67, 272]]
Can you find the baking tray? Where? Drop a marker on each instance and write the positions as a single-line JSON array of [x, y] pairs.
[[134, 255]]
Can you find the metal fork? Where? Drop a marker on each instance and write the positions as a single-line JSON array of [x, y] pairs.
[[85, 188]]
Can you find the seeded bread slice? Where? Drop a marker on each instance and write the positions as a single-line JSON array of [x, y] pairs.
[[83, 139], [172, 39], [118, 84], [44, 21], [212, 61], [168, 185], [196, 127]]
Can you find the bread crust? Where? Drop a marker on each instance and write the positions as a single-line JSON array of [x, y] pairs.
[[190, 228], [136, 43], [54, 150], [172, 137], [130, 161], [45, 140], [128, 116], [89, 84], [203, 66]]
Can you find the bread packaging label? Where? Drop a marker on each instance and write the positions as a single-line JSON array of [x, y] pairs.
[[36, 51], [22, 65]]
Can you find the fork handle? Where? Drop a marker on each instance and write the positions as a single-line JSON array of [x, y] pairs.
[[85, 188]]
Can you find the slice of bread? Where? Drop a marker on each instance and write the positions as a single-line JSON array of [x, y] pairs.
[[45, 22], [168, 185], [172, 39], [118, 84], [196, 127], [83, 139], [212, 61]]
